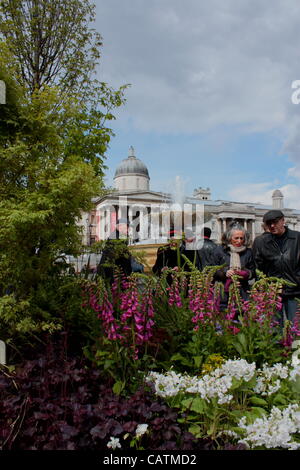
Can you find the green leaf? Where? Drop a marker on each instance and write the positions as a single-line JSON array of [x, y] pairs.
[[238, 347], [107, 364], [101, 354], [236, 429], [251, 384], [237, 414], [243, 340], [118, 387], [280, 399], [195, 404], [236, 383], [186, 403], [255, 413], [198, 360], [295, 385], [258, 401], [181, 359], [176, 357], [196, 430]]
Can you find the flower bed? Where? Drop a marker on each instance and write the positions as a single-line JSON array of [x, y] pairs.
[[255, 407], [223, 370], [164, 368]]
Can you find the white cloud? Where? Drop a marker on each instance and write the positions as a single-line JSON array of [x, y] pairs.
[[294, 172], [291, 194], [196, 66], [262, 193]]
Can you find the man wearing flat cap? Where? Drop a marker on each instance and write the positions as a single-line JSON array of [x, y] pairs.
[[277, 253]]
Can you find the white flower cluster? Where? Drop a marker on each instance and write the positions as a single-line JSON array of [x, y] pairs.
[[169, 384], [268, 378], [212, 386], [273, 431], [240, 369], [216, 384]]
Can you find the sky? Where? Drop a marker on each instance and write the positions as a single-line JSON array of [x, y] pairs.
[[210, 98]]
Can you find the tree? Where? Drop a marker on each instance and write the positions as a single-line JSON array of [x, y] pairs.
[[51, 42], [42, 195], [53, 134], [53, 140]]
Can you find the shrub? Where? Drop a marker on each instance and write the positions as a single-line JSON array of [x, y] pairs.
[[59, 403]]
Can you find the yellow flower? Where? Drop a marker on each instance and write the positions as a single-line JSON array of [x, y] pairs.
[[213, 362]]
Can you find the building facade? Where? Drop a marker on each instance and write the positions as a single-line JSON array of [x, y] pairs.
[[151, 214]]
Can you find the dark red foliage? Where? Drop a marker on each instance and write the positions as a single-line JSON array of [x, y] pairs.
[[58, 403]]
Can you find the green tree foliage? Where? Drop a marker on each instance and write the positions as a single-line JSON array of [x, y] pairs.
[[50, 43], [53, 139]]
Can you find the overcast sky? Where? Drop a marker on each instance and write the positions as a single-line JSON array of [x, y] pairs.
[[210, 95]]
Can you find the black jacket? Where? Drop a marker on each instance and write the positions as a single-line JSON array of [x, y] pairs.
[[206, 254], [167, 257], [283, 263]]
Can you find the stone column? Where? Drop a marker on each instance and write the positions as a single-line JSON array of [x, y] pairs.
[[253, 229], [220, 228]]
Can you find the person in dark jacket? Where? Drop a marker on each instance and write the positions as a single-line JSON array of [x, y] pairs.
[[167, 255], [116, 253], [277, 254], [206, 249], [170, 255], [238, 259]]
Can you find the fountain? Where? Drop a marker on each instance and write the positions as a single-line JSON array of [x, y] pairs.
[[173, 217]]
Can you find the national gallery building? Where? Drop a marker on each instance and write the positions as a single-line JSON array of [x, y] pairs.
[[149, 212]]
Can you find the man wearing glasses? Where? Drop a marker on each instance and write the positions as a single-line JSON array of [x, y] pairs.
[[277, 253]]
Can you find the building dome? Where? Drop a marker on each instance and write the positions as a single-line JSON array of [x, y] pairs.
[[131, 174], [277, 193], [132, 166]]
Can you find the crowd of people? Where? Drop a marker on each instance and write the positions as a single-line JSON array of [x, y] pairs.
[[276, 253]]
